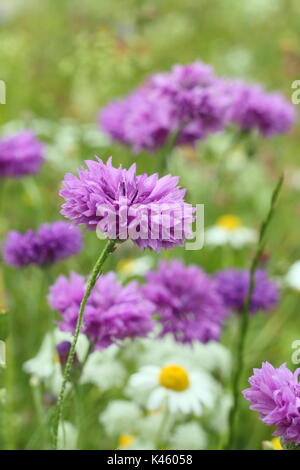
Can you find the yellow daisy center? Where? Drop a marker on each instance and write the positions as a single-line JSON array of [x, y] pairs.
[[174, 377], [276, 443], [229, 221], [125, 266], [125, 440]]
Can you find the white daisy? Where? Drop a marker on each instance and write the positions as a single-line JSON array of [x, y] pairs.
[[230, 231], [103, 369], [174, 386], [130, 267], [219, 421], [189, 436], [120, 417], [213, 356], [292, 278], [131, 442]]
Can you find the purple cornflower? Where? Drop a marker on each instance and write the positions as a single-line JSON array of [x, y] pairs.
[[47, 245], [275, 394], [254, 108], [20, 155], [187, 302], [113, 312], [233, 286], [147, 209], [189, 100]]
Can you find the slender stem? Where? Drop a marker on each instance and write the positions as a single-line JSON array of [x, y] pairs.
[[240, 354], [108, 249]]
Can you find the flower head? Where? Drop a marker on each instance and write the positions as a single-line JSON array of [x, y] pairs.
[[148, 209], [120, 416], [275, 394], [187, 302], [47, 245], [253, 108], [174, 386], [20, 155], [292, 278], [189, 436], [229, 230], [189, 100], [233, 286], [113, 312]]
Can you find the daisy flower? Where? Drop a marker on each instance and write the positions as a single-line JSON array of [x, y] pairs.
[[229, 230], [292, 278], [130, 442], [120, 417], [175, 387], [130, 267], [189, 436], [104, 369], [213, 356]]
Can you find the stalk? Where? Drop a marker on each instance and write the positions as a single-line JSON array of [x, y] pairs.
[[58, 412], [240, 354]]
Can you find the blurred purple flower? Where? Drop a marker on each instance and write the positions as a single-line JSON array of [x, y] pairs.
[[254, 108], [192, 102], [20, 155], [113, 312], [48, 245], [189, 100], [275, 394], [66, 293], [187, 302], [233, 286], [148, 209]]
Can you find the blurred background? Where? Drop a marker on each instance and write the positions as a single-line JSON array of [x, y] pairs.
[[62, 60]]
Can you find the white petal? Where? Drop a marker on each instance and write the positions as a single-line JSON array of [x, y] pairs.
[[156, 399]]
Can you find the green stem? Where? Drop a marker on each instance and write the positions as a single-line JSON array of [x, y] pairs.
[[108, 249], [240, 354]]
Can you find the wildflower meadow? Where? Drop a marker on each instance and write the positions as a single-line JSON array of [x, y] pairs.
[[149, 225]]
